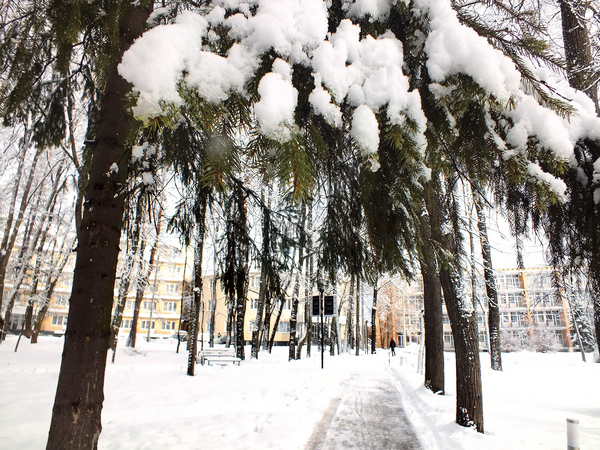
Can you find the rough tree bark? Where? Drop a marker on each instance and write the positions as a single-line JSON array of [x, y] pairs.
[[433, 315], [374, 320], [358, 318], [76, 416], [490, 284], [463, 319], [578, 50], [197, 302]]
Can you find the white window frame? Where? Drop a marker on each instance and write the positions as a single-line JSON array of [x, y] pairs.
[[172, 288]]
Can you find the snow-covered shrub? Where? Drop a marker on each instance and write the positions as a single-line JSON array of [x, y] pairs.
[[543, 340]]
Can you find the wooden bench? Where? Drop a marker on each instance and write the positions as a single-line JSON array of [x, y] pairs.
[[218, 356]]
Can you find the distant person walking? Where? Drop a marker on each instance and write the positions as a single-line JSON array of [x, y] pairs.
[[393, 347]]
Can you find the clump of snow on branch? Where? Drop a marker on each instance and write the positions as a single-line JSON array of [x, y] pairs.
[[368, 72], [320, 100], [278, 98], [364, 72], [558, 186], [596, 180], [147, 178], [138, 151], [454, 48], [365, 131], [297, 31], [530, 118], [156, 61], [376, 9]]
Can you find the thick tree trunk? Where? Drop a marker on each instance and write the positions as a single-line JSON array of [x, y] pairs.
[[463, 319], [76, 416], [432, 314], [490, 284], [578, 51], [469, 399]]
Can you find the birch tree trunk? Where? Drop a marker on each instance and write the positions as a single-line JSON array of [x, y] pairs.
[[133, 239], [197, 302], [12, 229]]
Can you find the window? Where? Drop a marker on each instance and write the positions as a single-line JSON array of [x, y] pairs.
[[168, 325], [66, 279], [173, 269], [446, 319], [59, 320], [61, 300], [559, 337], [283, 327], [170, 306], [126, 323], [482, 337], [145, 324], [252, 327], [448, 339], [505, 317], [512, 281], [129, 304], [253, 303], [514, 317], [513, 300], [286, 304], [171, 288], [538, 317], [146, 305], [553, 318]]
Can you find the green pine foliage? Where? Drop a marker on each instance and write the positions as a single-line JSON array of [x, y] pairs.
[[580, 323]]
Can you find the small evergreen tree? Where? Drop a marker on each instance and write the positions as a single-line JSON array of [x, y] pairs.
[[581, 326]]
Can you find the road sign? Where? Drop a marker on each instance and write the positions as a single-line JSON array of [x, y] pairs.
[[329, 305], [316, 305]]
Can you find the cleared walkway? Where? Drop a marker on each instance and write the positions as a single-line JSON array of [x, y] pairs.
[[368, 416]]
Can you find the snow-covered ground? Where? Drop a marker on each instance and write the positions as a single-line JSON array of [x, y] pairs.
[[271, 403]]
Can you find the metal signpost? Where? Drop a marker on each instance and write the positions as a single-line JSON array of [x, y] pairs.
[[323, 305]]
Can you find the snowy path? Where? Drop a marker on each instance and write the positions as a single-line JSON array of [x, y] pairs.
[[368, 415]]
